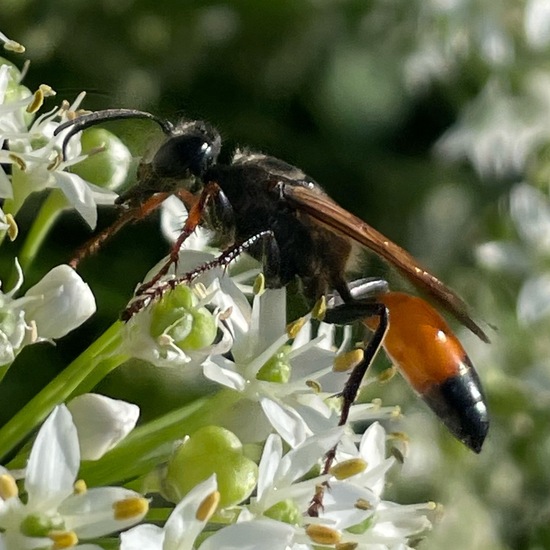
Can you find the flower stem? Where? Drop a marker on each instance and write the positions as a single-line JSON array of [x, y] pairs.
[[66, 384], [48, 213]]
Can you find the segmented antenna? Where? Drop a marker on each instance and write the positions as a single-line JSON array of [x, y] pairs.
[[86, 121]]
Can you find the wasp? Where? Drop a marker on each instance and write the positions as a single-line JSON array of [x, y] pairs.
[[282, 217]]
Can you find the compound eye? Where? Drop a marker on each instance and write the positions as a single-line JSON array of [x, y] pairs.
[[181, 156]]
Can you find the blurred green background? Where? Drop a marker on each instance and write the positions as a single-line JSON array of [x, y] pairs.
[[428, 119]]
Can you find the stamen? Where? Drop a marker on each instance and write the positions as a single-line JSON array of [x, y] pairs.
[[8, 486], [348, 360], [80, 487], [13, 230], [294, 328], [63, 539], [319, 309], [258, 288], [348, 468], [321, 534], [130, 508], [208, 506]]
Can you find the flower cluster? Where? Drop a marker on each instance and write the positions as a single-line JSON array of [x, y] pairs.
[[244, 463]]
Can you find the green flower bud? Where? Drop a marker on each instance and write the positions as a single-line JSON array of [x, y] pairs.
[[177, 316], [211, 450], [278, 368], [286, 511], [107, 168]]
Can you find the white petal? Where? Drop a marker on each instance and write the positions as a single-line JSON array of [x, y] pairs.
[[288, 423], [339, 504], [271, 457], [300, 460], [101, 423], [183, 525], [142, 537], [54, 461], [251, 535], [223, 376], [90, 514], [66, 302], [172, 219], [373, 445], [79, 194]]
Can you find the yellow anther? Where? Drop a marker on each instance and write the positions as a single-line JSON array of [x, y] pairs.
[[63, 539], [8, 486], [294, 328], [321, 534], [200, 290], [319, 309], [387, 374], [13, 230], [396, 413], [13, 46], [348, 468], [314, 385], [37, 101], [208, 506], [259, 285], [55, 162], [224, 315], [399, 436], [46, 90], [18, 161], [362, 504], [80, 487], [130, 508], [348, 360]]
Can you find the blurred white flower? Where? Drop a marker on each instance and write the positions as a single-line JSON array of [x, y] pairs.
[[498, 130], [101, 422], [527, 257]]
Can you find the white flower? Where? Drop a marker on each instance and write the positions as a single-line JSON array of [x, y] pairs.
[[56, 507], [278, 475], [60, 302], [36, 154], [57, 304], [499, 130], [182, 527], [290, 405], [140, 335], [101, 422], [530, 213]]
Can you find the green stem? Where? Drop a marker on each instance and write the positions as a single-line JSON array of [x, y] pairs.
[[65, 385], [47, 215], [150, 444]]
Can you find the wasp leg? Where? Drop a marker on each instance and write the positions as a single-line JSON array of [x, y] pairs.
[[344, 314], [194, 219], [223, 260], [134, 214]]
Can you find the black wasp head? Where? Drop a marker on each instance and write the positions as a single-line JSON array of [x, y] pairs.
[[191, 148]]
